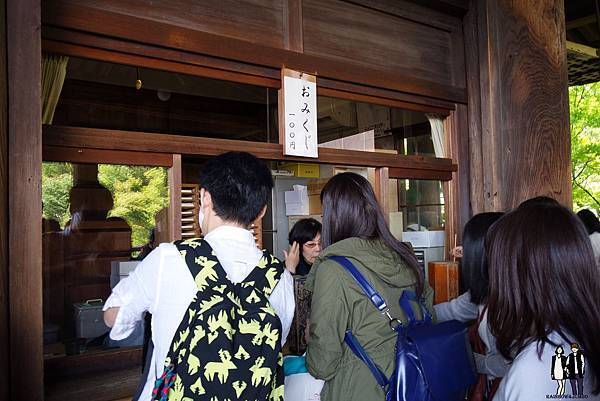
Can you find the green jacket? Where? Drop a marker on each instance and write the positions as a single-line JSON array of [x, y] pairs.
[[338, 304]]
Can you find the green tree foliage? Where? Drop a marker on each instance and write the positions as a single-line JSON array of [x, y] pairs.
[[584, 102], [57, 180], [138, 194]]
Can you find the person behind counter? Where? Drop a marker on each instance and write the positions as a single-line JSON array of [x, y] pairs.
[[234, 188], [472, 304], [305, 245], [544, 293], [354, 227]]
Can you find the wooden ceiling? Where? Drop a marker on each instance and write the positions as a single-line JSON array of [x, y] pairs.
[[583, 40]]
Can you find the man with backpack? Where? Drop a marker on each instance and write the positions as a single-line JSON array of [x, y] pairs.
[[221, 308]]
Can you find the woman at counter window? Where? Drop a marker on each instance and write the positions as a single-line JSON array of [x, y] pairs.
[[354, 227], [305, 245], [472, 304]]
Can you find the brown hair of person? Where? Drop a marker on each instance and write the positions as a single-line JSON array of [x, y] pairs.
[[350, 209], [543, 279]]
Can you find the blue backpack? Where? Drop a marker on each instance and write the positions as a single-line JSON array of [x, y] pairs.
[[433, 361]]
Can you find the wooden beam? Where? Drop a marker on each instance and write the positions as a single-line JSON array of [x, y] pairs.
[[175, 199], [579, 22], [587, 51], [88, 19], [100, 156], [25, 199], [4, 300], [149, 142], [420, 174]]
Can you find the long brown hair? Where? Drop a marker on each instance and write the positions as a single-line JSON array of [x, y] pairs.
[[543, 279], [350, 209]]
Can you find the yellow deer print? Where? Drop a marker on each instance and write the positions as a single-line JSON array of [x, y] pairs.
[[277, 394], [199, 334], [207, 273], [222, 322], [272, 336], [242, 354], [193, 364], [252, 327], [206, 305], [270, 276], [253, 298], [197, 388], [220, 368], [192, 242], [239, 387], [260, 375], [182, 338]]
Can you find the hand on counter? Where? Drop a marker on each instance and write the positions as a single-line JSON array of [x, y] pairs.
[[457, 252], [292, 258]]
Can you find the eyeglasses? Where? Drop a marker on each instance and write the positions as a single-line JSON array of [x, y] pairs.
[[312, 245]]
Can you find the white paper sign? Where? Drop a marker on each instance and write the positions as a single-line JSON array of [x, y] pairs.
[[300, 117]]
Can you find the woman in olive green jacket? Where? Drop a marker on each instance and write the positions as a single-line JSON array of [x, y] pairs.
[[354, 227]]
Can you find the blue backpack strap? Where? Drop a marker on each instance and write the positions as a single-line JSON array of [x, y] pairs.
[[362, 282], [405, 299], [379, 303], [360, 352]]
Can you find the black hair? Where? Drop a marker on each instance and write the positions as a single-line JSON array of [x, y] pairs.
[[473, 266], [543, 279], [539, 200], [304, 230], [350, 209], [240, 185], [590, 221]]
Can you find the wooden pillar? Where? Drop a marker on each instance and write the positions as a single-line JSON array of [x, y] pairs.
[[175, 199], [24, 198], [4, 328], [382, 190], [518, 102]]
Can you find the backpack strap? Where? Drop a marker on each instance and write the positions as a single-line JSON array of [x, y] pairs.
[[365, 286], [377, 300]]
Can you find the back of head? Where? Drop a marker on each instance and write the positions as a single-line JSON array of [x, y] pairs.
[[473, 267], [589, 220], [543, 278], [350, 209], [240, 185], [304, 230], [539, 200]]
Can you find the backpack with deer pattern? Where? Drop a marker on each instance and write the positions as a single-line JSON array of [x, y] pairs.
[[228, 345]]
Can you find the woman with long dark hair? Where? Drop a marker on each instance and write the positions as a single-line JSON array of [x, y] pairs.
[[354, 227], [472, 304], [544, 293]]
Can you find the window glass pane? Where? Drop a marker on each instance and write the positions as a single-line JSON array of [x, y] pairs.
[[98, 221], [100, 94], [345, 124], [421, 203]]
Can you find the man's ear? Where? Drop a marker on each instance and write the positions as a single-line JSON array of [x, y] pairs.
[[206, 199], [262, 213]]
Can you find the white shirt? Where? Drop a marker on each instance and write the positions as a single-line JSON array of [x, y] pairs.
[[529, 376], [163, 285], [462, 309]]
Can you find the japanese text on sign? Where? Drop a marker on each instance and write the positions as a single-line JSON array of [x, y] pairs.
[[300, 117]]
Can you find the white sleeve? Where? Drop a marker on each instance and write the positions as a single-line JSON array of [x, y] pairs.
[[282, 300], [135, 294], [493, 364], [461, 309]]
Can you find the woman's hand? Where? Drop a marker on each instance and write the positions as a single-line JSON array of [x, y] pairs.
[[292, 258], [457, 252]]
